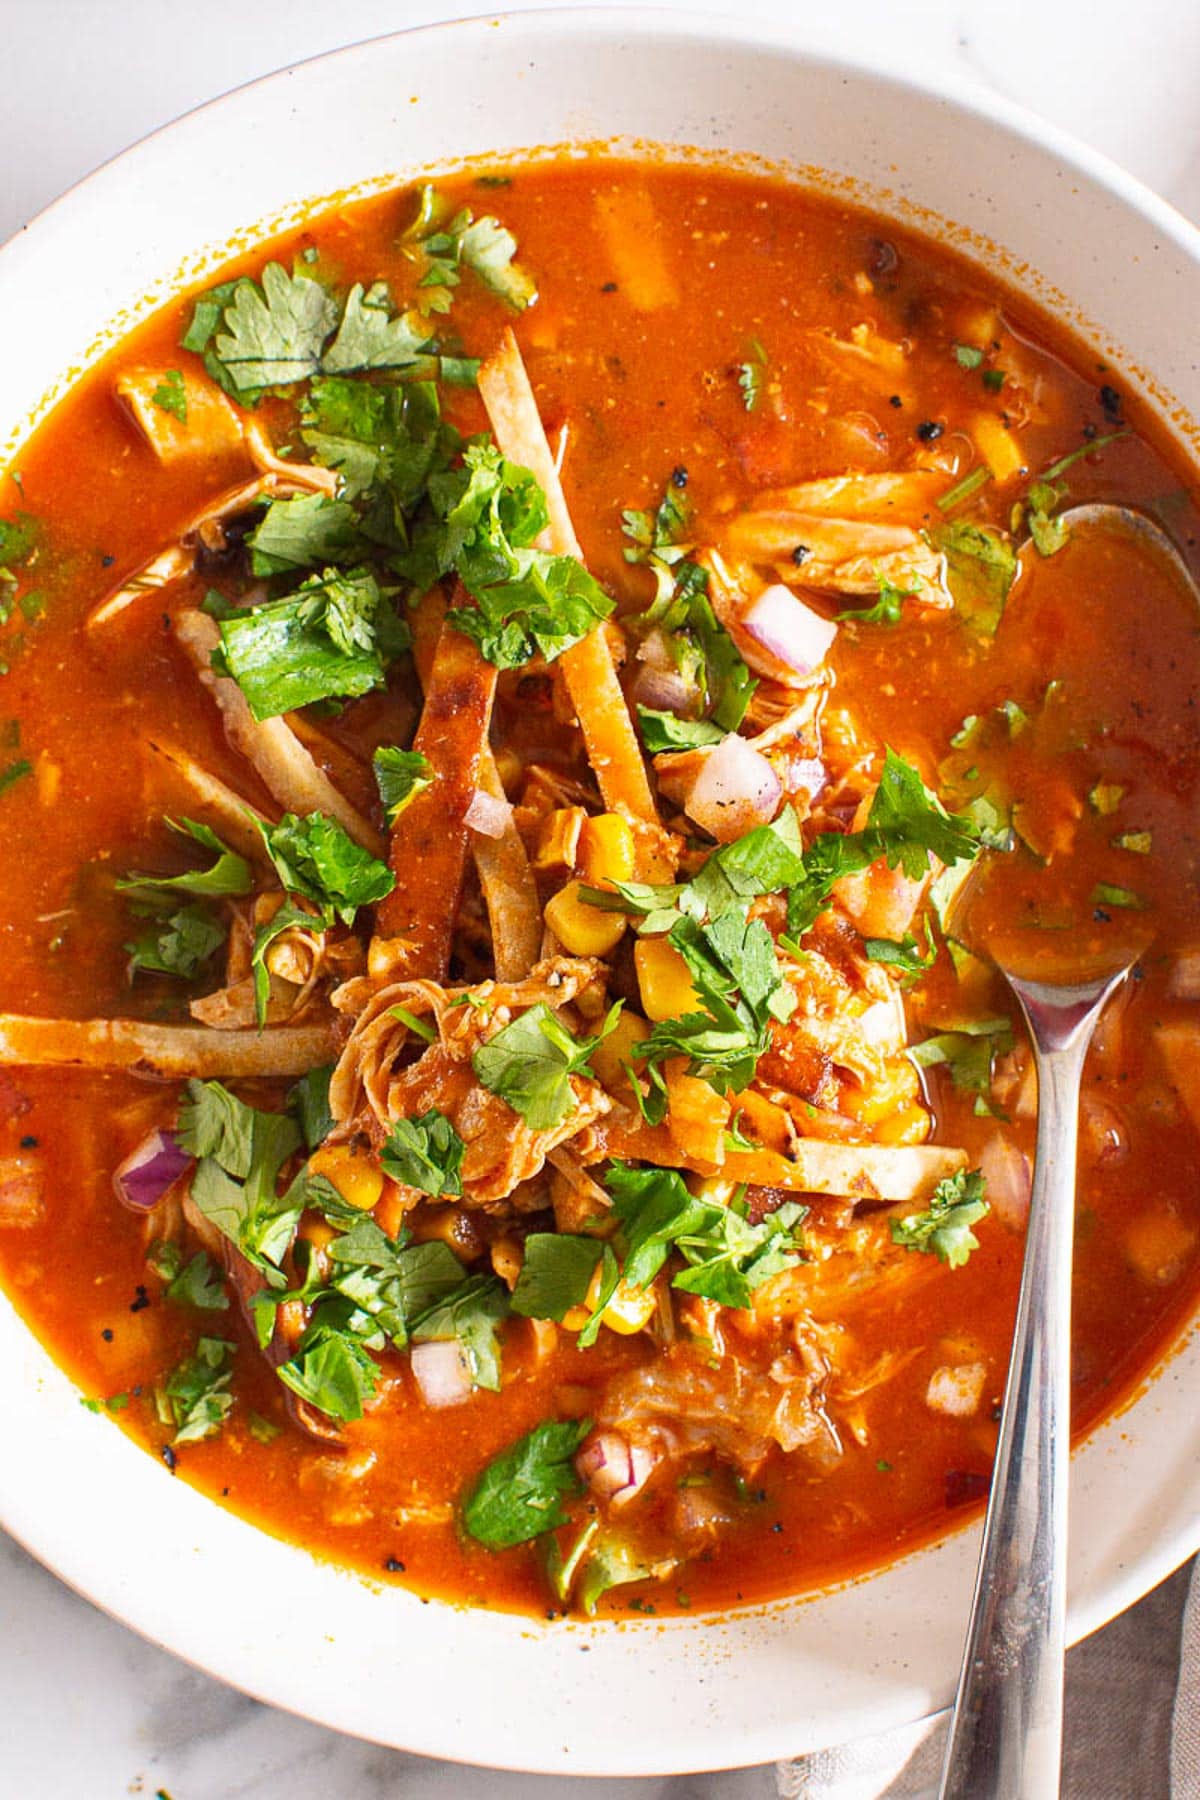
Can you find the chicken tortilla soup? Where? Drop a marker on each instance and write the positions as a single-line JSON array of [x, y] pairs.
[[502, 693]]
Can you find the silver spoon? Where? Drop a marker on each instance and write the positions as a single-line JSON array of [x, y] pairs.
[[1006, 1732], [1006, 1729]]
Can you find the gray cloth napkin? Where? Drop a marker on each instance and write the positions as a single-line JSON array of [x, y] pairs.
[[1132, 1719]]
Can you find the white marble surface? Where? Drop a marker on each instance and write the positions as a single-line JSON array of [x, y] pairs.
[[87, 1710]]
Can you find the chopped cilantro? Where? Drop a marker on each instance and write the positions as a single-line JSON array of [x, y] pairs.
[[170, 396], [555, 1275], [888, 609], [727, 1257], [967, 356], [447, 246], [14, 772], [663, 731], [229, 875], [944, 1229], [195, 1283], [309, 1101], [610, 1562], [273, 332], [301, 533], [316, 857], [967, 1052], [519, 1495], [329, 639], [425, 1153], [529, 1062], [1106, 893], [981, 566], [471, 1313], [400, 775], [195, 1398]]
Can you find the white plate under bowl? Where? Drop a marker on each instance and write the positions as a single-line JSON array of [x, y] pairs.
[[649, 1697]]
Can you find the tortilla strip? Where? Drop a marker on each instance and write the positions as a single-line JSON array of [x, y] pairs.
[[232, 812], [509, 890], [430, 839], [270, 745], [170, 1051], [815, 1165], [588, 666]]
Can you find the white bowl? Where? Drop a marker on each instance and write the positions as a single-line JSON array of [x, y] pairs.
[[648, 1697]]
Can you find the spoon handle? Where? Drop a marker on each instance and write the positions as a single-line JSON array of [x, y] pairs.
[[1006, 1732]]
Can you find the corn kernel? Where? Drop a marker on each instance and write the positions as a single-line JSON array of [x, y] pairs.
[[583, 930], [663, 979], [354, 1173], [907, 1125], [558, 838], [619, 1048], [630, 1310], [607, 852]]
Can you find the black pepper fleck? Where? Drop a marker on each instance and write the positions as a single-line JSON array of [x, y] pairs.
[[778, 1525], [107, 1334], [29, 1142], [1110, 401], [106, 562], [895, 400], [141, 1299], [224, 1493], [609, 287], [1101, 917], [169, 1457], [800, 554], [679, 476], [929, 430], [394, 1566]]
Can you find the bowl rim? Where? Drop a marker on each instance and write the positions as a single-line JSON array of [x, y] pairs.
[[966, 96]]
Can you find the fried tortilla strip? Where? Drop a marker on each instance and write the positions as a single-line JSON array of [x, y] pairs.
[[509, 890], [430, 840], [588, 666], [232, 814], [814, 1166], [286, 768], [170, 1051]]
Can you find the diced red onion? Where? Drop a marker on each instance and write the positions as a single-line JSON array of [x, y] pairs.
[[142, 1180], [802, 772], [614, 1468], [440, 1371], [22, 1190], [487, 815], [1183, 983], [1007, 1180], [659, 683], [735, 790], [789, 632]]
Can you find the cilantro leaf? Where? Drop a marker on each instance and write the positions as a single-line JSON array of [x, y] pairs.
[[611, 1562], [316, 857], [240, 1153], [751, 375], [309, 1101], [482, 245], [549, 603], [170, 396], [728, 1257], [302, 533], [195, 1397], [425, 1153], [14, 771], [519, 1494], [332, 1370], [370, 337], [400, 775], [179, 943], [273, 332], [944, 1228], [528, 1063], [888, 608], [195, 1283], [663, 731], [967, 1052], [229, 875], [214, 1123], [911, 822], [324, 641], [981, 566], [555, 1275]]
